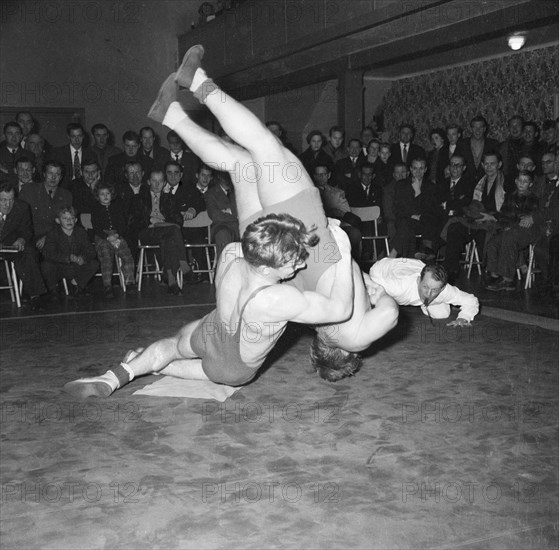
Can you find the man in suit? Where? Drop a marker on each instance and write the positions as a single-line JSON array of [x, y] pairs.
[[83, 189], [476, 146], [346, 170], [511, 148], [72, 154], [155, 219], [222, 209], [366, 192], [152, 152], [102, 150], [16, 230], [115, 173], [335, 146], [24, 173], [187, 160], [11, 150], [405, 150], [46, 198]]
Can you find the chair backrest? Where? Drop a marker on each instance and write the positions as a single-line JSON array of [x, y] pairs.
[[366, 213], [201, 220]]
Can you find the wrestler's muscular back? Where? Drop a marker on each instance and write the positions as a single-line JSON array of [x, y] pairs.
[[257, 335]]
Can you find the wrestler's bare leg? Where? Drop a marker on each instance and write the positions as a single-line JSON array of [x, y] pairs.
[[280, 173], [153, 359], [189, 369], [222, 155]]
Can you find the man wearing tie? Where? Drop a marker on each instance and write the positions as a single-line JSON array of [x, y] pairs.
[[188, 161], [72, 155], [346, 170], [405, 150]]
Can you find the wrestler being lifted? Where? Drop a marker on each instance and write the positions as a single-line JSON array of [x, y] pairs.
[[281, 220]]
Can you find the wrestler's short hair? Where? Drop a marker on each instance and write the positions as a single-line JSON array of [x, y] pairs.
[[333, 363], [277, 240], [437, 271]]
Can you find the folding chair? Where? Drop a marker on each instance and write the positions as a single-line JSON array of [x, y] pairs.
[[371, 214], [472, 257], [530, 274], [203, 220], [13, 285], [145, 268]]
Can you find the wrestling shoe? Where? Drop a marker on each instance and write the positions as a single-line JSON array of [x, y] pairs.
[[166, 95], [97, 386], [191, 61]]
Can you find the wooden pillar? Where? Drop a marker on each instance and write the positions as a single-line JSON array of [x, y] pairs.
[[350, 103]]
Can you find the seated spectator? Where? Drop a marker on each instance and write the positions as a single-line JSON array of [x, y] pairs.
[[154, 155], [69, 254], [510, 237], [479, 218], [24, 173], [155, 219], [474, 147], [346, 170], [72, 154], [525, 164], [436, 163], [314, 155], [222, 209], [413, 198], [84, 192], [46, 198], [36, 145], [336, 206], [187, 160], [11, 150], [454, 195], [400, 173], [549, 137], [109, 226], [335, 147], [511, 149], [115, 173], [16, 231], [366, 192], [194, 200], [102, 149], [405, 150]]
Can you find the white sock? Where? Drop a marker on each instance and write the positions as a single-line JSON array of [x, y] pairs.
[[198, 79], [174, 115], [110, 378]]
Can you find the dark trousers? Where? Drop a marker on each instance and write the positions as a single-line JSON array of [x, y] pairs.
[[169, 238], [54, 271], [404, 240], [196, 235], [503, 248], [223, 234], [457, 237], [28, 270]]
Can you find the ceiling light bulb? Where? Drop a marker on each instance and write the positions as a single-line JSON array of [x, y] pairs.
[[516, 41]]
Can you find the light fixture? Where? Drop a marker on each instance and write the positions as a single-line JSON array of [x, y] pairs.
[[516, 41]]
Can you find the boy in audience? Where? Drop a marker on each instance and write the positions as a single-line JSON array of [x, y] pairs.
[[109, 225], [68, 253], [505, 245]]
